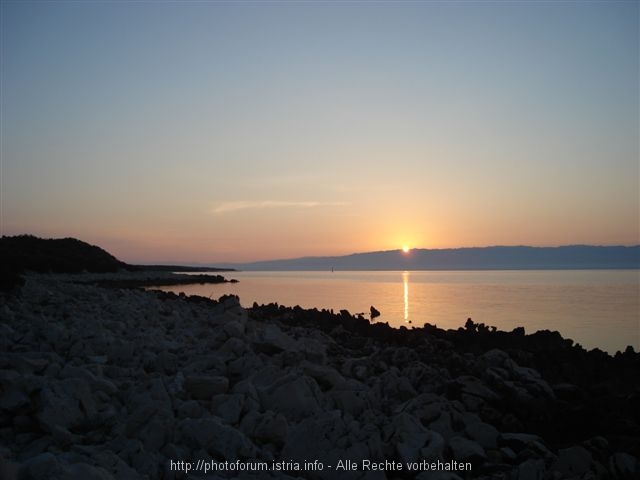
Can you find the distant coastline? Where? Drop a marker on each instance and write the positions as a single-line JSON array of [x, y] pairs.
[[571, 257], [68, 255]]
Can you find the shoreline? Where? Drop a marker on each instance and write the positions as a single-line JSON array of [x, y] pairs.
[[157, 278], [597, 309], [120, 382]]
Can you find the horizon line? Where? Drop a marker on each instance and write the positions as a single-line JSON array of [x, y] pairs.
[[399, 250]]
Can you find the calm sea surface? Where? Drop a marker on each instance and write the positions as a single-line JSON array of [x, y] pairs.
[[596, 308]]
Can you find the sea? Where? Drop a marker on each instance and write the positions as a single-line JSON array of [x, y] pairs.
[[595, 308]]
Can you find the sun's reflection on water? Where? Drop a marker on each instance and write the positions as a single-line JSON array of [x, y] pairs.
[[405, 283]]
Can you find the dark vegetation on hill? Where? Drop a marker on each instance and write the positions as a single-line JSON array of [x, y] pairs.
[[65, 255], [23, 253]]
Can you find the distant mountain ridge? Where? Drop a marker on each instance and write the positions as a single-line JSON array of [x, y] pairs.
[[579, 257]]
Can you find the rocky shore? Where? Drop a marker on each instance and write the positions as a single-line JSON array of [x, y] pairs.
[[120, 383], [153, 278]]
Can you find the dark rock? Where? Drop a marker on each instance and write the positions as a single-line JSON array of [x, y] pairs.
[[624, 466], [67, 404], [8, 470], [154, 434], [443, 426], [83, 471], [573, 461], [221, 441], [408, 436], [352, 401], [484, 434], [13, 399], [272, 428], [329, 439], [203, 387], [228, 407], [464, 450], [40, 467], [473, 386], [190, 409], [530, 470], [517, 441], [271, 340], [296, 397], [140, 416]]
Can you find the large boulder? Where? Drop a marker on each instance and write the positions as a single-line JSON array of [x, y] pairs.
[[270, 339], [329, 439], [407, 438], [295, 396], [66, 404]]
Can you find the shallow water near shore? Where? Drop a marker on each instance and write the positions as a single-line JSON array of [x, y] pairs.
[[596, 308]]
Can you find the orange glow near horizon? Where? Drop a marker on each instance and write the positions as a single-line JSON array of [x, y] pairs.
[[406, 249]]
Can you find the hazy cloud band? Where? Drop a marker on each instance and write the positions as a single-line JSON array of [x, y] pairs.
[[253, 205]]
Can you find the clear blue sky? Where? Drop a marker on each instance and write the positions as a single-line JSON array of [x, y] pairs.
[[218, 131]]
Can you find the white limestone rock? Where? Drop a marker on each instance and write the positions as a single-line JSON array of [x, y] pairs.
[[406, 434], [295, 396]]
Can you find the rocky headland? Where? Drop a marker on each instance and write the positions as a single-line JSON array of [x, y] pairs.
[[22, 254], [121, 383]]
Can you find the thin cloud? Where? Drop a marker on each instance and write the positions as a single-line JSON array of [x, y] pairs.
[[226, 207]]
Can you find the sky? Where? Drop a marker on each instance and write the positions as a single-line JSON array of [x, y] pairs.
[[208, 132]]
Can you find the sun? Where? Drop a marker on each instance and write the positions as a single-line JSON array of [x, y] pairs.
[[406, 249]]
